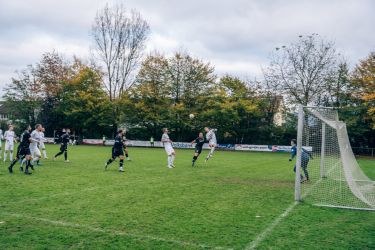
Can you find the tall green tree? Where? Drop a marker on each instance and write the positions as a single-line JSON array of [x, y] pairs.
[[363, 78], [84, 103]]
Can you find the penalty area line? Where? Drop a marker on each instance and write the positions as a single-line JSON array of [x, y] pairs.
[[260, 237], [110, 231]]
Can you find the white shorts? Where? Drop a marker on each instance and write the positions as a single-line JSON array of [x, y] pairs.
[[34, 151], [212, 143], [9, 146], [41, 145], [169, 149]]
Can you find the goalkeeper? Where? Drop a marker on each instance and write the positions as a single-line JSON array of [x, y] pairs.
[[306, 156]]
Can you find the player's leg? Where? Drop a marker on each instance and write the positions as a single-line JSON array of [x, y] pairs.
[[294, 170], [127, 154], [11, 152], [110, 160], [304, 164], [43, 147], [44, 153], [28, 163], [211, 152], [62, 150], [22, 162], [1, 148], [10, 168], [195, 157], [66, 154], [169, 150], [36, 156], [173, 156], [6, 151], [169, 160], [121, 164]]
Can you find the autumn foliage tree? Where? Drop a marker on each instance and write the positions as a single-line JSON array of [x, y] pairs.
[[363, 78]]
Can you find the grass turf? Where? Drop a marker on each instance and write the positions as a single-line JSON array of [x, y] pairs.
[[225, 203]]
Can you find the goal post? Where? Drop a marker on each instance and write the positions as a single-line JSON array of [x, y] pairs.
[[331, 174]]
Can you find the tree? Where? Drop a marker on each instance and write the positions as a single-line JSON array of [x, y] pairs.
[[52, 72], [119, 39], [84, 103], [339, 88], [147, 102], [232, 107], [363, 78], [189, 78], [24, 96], [167, 91], [302, 70]]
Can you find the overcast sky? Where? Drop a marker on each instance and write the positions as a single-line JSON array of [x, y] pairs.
[[236, 36]]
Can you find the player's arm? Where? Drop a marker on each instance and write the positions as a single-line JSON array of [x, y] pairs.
[[194, 141], [293, 153], [63, 140], [163, 139], [33, 139]]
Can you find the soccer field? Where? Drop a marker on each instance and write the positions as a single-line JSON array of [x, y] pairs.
[[236, 201]]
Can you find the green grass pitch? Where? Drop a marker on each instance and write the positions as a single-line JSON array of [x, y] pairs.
[[226, 203]]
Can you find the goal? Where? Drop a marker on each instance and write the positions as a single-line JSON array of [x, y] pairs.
[[324, 154]]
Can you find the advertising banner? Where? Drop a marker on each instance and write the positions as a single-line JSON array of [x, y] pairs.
[[188, 145]]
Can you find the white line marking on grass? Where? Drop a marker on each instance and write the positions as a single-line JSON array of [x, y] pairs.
[[260, 237], [109, 231]]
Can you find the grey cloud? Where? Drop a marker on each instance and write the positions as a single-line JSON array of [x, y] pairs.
[[235, 36]]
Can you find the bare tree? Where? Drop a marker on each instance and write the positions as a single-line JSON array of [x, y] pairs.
[[303, 70], [119, 38]]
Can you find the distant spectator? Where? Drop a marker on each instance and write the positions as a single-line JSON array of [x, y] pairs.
[[152, 142]]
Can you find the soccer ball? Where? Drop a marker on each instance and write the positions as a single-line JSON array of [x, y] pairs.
[[191, 116]]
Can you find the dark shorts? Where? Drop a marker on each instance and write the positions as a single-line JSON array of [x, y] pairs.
[[198, 150], [63, 148], [23, 151], [117, 152]]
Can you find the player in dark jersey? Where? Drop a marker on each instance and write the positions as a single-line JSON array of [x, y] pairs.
[[23, 151], [64, 145], [125, 147], [117, 151], [199, 141]]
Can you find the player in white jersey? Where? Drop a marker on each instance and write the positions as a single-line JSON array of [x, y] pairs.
[[35, 140], [211, 138], [1, 141], [41, 143], [168, 148], [9, 137]]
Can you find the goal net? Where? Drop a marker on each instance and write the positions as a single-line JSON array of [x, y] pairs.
[[327, 173]]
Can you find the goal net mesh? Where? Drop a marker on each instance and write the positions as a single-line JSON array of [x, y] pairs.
[[334, 177]]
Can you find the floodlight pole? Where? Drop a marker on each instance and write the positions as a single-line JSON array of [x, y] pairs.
[[297, 191], [323, 151]]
